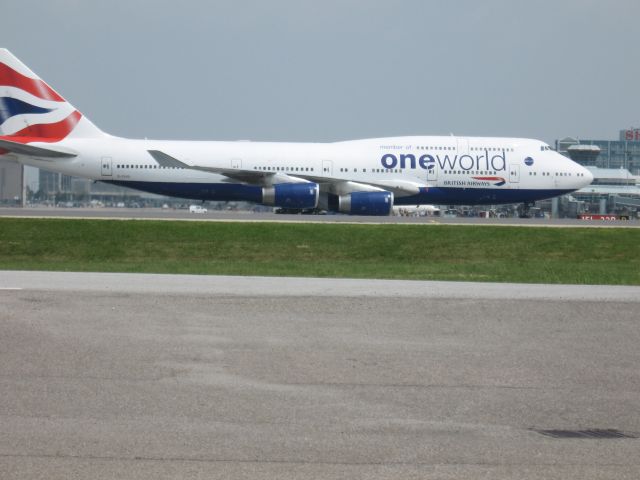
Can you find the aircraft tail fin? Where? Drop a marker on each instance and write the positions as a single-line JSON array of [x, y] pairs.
[[31, 111]]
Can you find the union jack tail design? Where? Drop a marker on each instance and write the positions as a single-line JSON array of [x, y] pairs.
[[31, 111]]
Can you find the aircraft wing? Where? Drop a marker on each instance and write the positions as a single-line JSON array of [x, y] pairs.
[[247, 176], [338, 186], [400, 187], [32, 151]]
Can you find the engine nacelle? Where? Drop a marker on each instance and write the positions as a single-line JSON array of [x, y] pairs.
[[365, 203], [292, 195]]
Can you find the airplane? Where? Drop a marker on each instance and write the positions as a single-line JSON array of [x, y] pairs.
[[38, 127]]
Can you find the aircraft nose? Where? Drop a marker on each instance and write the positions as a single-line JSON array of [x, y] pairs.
[[588, 176]]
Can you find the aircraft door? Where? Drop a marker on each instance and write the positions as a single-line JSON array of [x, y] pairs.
[[236, 163], [514, 173], [432, 173], [327, 168], [106, 166]]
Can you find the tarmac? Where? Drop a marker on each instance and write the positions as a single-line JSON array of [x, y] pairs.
[[248, 216], [177, 376]]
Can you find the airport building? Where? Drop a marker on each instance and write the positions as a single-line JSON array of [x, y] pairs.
[[43, 187], [65, 190], [20, 185], [11, 181], [615, 165], [622, 153]]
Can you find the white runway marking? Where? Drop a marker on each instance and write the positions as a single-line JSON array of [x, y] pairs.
[[136, 283]]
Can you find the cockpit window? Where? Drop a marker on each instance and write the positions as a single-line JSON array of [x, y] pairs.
[[544, 148]]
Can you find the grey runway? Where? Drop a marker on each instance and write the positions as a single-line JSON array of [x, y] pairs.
[[161, 376], [245, 216]]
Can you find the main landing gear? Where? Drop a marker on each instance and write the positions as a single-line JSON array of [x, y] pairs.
[[525, 209]]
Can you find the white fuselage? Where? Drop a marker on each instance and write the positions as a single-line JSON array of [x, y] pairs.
[[451, 170]]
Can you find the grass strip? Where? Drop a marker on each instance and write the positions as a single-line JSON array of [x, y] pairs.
[[420, 252]]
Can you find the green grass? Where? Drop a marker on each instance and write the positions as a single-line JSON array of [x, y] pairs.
[[433, 252]]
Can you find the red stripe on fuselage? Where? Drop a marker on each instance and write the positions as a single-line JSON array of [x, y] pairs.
[[489, 179], [9, 77]]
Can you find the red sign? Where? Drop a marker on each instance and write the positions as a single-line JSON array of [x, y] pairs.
[[592, 216], [632, 135]]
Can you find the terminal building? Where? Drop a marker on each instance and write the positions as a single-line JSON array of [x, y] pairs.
[[11, 182], [56, 188], [615, 165], [622, 153], [20, 185]]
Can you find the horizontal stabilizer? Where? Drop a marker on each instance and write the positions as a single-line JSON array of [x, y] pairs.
[[30, 150]]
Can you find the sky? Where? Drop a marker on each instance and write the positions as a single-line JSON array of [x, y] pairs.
[[331, 70]]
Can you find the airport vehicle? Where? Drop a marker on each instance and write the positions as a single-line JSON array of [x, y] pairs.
[[417, 210], [366, 177], [197, 209]]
